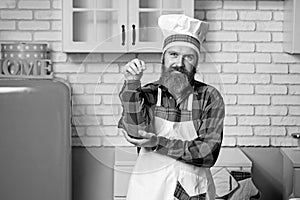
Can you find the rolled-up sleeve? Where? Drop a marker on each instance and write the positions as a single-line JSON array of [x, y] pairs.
[[136, 105]]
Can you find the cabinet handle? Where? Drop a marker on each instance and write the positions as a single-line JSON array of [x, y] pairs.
[[123, 35], [133, 34]]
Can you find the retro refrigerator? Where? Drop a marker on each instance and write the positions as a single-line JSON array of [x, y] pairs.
[[35, 140]]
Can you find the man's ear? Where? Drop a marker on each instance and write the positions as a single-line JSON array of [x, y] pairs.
[[195, 69], [162, 59]]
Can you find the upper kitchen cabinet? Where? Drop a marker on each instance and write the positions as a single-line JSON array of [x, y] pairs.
[[291, 39], [117, 25]]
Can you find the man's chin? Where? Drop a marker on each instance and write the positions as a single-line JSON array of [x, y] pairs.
[[177, 83]]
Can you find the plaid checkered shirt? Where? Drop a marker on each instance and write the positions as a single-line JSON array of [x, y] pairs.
[[208, 111]]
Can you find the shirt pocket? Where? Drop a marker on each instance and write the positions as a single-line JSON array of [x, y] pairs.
[[192, 183]]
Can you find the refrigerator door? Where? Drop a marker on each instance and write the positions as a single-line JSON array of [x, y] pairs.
[[35, 140]]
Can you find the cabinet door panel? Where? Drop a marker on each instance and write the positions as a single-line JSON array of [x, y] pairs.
[[179, 6], [83, 4], [148, 20], [107, 3], [149, 4], [83, 21], [107, 26], [94, 25], [172, 4], [148, 36]]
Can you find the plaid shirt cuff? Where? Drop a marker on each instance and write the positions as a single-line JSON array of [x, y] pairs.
[[132, 84], [161, 146]]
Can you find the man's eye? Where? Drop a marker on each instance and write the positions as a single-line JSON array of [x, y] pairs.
[[189, 58], [173, 54]]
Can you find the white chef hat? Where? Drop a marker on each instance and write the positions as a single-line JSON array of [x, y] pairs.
[[181, 30]]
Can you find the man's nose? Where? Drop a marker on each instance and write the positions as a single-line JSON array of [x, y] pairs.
[[180, 61]]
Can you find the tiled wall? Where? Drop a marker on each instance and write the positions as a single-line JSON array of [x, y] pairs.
[[242, 56]]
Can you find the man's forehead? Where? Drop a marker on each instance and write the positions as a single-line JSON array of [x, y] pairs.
[[182, 50]]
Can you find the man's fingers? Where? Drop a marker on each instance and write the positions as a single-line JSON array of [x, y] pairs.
[[135, 67], [138, 142], [124, 132], [143, 65], [137, 64], [140, 64], [130, 70], [145, 134], [130, 139], [132, 67]]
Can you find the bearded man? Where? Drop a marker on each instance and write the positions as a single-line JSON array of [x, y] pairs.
[[176, 122]]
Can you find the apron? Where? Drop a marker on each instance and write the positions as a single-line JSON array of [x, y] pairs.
[[155, 176]]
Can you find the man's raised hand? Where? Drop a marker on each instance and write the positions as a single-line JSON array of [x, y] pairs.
[[134, 69]]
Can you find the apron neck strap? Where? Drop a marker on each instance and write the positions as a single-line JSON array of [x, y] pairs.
[[190, 102], [158, 102]]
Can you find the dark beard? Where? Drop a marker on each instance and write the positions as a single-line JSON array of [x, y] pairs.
[[177, 80]]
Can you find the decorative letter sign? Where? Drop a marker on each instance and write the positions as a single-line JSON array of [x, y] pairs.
[[25, 60]]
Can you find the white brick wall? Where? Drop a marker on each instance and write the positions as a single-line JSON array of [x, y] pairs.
[[33, 25], [47, 36], [221, 36], [238, 130], [270, 5], [238, 46], [16, 14], [48, 15], [206, 5], [238, 26], [271, 68], [239, 110], [243, 57], [255, 36], [27, 4], [254, 99], [238, 68], [269, 131], [238, 89], [230, 120], [254, 78], [7, 4], [253, 120], [265, 47], [15, 36], [294, 68], [253, 141], [294, 110], [221, 15], [254, 58], [239, 5], [7, 25], [255, 15], [269, 26], [102, 110], [270, 89], [271, 110]]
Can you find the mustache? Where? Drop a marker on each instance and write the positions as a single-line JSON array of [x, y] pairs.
[[179, 69]]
